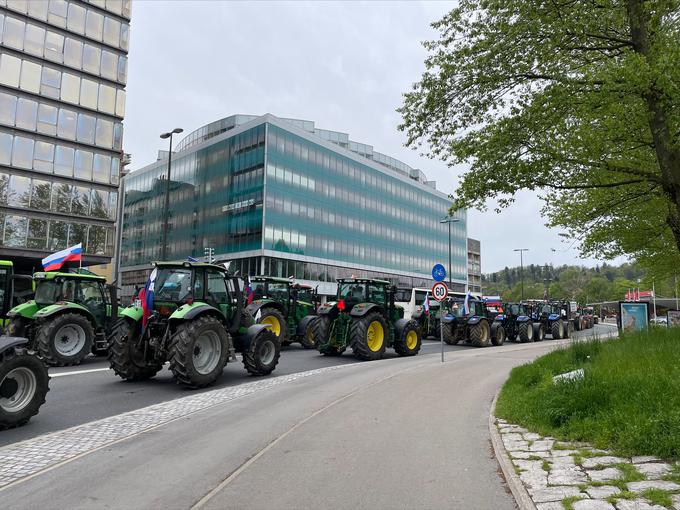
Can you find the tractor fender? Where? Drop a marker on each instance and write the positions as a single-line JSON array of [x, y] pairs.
[[9, 342], [191, 311], [132, 312], [242, 341], [401, 324], [328, 308], [448, 318], [363, 308], [475, 319], [553, 317], [63, 307], [499, 318], [301, 330], [27, 310], [522, 318], [258, 304]]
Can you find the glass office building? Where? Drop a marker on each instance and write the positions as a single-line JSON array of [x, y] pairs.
[[281, 197], [63, 69]]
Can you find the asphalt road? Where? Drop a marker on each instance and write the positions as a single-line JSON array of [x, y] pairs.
[[91, 391]]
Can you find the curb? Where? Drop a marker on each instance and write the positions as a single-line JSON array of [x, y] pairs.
[[522, 498]]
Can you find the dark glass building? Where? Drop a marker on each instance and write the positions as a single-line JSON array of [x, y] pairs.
[[283, 198], [63, 70]]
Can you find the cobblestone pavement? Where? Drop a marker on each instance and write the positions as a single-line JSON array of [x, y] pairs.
[[575, 476], [23, 459]]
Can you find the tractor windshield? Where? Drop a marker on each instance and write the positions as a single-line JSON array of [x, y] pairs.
[[278, 291], [545, 309], [259, 289], [172, 285], [306, 295], [352, 292], [457, 309], [48, 292]]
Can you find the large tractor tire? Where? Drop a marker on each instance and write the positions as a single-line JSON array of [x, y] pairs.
[[307, 338], [480, 334], [568, 329], [368, 336], [557, 329], [262, 354], [126, 357], [24, 383], [16, 327], [276, 322], [450, 336], [525, 332], [409, 341], [539, 331], [65, 340], [497, 334], [321, 328], [199, 350]]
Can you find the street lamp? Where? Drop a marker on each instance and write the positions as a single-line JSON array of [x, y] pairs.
[[164, 245], [521, 265], [448, 220]]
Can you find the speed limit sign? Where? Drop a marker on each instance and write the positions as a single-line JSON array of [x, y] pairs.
[[440, 291]]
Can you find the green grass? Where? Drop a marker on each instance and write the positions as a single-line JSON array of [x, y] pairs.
[[628, 401], [657, 497], [568, 503], [674, 475]]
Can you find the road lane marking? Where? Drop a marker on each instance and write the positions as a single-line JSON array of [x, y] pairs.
[[76, 372]]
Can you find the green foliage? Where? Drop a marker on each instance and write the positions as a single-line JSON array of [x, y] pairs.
[[628, 401], [657, 497], [578, 101]]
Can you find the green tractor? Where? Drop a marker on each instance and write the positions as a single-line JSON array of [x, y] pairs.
[[289, 309], [428, 320], [365, 318], [196, 322], [470, 325], [69, 317], [24, 381]]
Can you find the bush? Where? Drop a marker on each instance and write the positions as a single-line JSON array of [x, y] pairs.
[[628, 400]]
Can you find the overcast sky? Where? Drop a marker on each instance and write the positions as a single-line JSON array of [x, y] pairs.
[[343, 65]]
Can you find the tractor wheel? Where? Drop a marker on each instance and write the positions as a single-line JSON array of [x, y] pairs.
[[497, 334], [198, 351], [126, 357], [276, 322], [577, 324], [368, 335], [450, 336], [557, 329], [308, 340], [525, 332], [480, 334], [321, 328], [568, 329], [539, 332], [24, 383], [65, 340], [263, 353], [511, 335], [410, 340]]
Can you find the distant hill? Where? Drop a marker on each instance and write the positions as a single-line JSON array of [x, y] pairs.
[[583, 284]]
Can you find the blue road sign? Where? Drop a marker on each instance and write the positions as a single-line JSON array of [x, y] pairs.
[[438, 273]]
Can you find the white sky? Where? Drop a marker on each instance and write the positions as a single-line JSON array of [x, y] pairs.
[[343, 65]]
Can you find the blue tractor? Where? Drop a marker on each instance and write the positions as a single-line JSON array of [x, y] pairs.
[[553, 316], [470, 324], [518, 325]]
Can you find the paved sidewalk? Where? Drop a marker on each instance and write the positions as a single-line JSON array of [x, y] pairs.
[[575, 476]]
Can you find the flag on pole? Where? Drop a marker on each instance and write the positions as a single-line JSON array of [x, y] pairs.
[[146, 297], [466, 304], [249, 294], [426, 304], [56, 260]]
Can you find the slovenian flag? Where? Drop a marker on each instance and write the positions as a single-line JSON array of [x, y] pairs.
[[466, 304], [426, 304], [56, 260], [146, 297], [249, 294]]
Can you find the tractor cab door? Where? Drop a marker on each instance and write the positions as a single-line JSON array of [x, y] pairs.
[[377, 294], [5, 291], [216, 291], [92, 295]]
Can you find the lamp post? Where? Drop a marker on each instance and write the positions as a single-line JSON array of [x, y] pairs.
[[164, 245], [448, 220], [521, 265]]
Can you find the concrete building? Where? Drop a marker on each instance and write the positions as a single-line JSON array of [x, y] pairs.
[[474, 265], [63, 70], [282, 197]]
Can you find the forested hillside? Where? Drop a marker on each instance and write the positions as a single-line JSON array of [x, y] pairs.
[[584, 284]]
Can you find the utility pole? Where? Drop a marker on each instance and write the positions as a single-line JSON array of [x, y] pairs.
[[521, 265]]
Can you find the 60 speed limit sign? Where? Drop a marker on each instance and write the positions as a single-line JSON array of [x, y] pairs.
[[440, 291]]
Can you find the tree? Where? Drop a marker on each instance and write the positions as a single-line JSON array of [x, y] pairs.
[[578, 100]]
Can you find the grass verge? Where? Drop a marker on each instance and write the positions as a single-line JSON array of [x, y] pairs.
[[628, 400]]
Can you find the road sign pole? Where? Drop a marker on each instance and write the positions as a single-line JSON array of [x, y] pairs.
[[441, 329]]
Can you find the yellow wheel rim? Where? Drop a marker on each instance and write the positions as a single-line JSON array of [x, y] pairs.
[[310, 336], [275, 325], [375, 336], [411, 339]]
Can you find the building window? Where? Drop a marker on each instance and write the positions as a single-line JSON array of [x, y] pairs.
[[22, 152]]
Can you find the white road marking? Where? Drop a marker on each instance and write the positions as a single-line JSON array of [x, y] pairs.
[[76, 372]]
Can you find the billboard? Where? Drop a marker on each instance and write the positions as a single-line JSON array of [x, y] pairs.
[[673, 318], [633, 316]]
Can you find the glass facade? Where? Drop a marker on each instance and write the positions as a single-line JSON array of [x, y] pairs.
[[63, 70], [280, 198]]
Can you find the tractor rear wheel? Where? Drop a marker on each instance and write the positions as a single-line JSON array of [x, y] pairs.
[[126, 356], [262, 354], [450, 336], [480, 334], [557, 329], [24, 383], [321, 328], [198, 351], [525, 332], [368, 336], [308, 340], [497, 334], [65, 340], [276, 322], [410, 340]]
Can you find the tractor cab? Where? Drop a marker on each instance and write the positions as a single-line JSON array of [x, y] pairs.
[[14, 290]]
